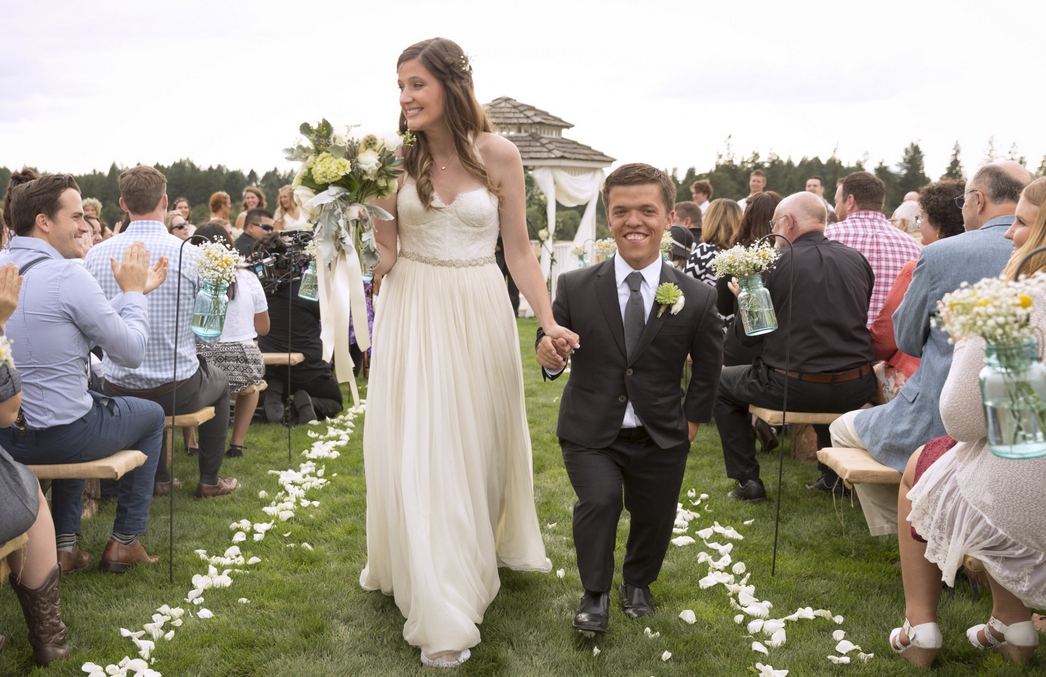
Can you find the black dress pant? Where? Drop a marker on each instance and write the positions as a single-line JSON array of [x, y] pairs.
[[764, 387], [208, 387], [635, 473], [324, 390]]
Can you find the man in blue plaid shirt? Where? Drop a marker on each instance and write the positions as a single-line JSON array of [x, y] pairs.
[[196, 384]]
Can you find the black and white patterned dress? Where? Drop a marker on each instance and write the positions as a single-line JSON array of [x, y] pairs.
[[699, 267]]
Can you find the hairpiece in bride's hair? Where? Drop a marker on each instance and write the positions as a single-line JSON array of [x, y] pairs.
[[464, 64]]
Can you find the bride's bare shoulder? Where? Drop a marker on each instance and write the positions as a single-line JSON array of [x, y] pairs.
[[496, 149]]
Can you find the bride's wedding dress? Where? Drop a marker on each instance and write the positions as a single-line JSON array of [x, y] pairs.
[[450, 492]]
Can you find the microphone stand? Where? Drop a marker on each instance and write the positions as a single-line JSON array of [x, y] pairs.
[[784, 397], [174, 391]]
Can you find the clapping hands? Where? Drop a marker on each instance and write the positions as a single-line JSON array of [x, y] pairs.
[[10, 285], [134, 273]]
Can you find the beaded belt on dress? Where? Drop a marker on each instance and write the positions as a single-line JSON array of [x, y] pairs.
[[452, 263]]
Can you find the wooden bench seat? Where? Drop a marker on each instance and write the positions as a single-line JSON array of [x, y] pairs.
[[283, 359], [190, 420], [110, 468], [856, 466], [5, 550], [251, 389], [776, 416]]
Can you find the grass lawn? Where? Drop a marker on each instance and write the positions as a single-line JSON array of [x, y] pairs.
[[308, 616]]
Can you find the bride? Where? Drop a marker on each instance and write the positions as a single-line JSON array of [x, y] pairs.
[[450, 494]]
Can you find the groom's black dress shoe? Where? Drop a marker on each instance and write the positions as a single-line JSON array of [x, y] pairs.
[[749, 491], [636, 600], [594, 613]]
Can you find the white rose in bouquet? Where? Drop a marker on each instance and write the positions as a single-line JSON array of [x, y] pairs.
[[369, 163], [392, 142], [302, 195]]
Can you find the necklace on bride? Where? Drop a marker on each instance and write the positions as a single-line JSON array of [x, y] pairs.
[[444, 167]]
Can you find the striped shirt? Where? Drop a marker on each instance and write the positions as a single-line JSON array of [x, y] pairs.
[[158, 366], [886, 248]]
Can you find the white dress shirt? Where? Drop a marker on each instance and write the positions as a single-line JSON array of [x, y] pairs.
[[651, 278], [704, 206]]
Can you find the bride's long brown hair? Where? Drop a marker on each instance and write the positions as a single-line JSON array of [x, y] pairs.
[[464, 115]]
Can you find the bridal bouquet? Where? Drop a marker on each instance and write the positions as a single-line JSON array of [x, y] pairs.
[[741, 262], [339, 175]]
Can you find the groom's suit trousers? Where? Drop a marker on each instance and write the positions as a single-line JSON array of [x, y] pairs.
[[651, 477]]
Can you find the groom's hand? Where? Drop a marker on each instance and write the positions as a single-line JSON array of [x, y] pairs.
[[549, 355], [692, 430]]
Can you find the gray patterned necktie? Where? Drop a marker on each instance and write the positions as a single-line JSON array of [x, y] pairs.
[[635, 318]]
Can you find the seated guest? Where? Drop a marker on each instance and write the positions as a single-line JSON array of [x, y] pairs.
[[940, 219], [177, 225], [754, 224], [220, 204], [235, 352], [36, 575], [962, 500], [64, 422], [689, 216], [258, 224], [863, 226], [717, 234], [96, 229], [253, 198], [317, 394], [892, 432], [682, 244], [906, 218], [829, 362], [181, 205], [197, 384]]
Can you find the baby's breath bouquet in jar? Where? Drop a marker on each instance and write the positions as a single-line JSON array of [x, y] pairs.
[[1013, 381], [747, 264], [216, 265]]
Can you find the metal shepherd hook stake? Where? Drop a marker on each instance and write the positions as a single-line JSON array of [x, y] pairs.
[[784, 398]]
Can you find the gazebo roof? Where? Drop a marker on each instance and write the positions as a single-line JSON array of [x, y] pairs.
[[539, 135], [504, 111]]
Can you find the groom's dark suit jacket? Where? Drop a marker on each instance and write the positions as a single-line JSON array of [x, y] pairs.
[[602, 379]]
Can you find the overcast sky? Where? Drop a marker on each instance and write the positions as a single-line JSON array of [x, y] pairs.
[[84, 84]]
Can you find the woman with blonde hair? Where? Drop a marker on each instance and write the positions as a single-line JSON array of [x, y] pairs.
[[961, 500], [288, 213], [446, 446], [252, 197]]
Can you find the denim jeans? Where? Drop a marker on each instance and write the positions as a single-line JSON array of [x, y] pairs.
[[113, 424]]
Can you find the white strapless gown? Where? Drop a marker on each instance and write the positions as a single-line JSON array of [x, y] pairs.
[[450, 493]]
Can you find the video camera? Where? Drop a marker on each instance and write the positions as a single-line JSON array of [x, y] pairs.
[[280, 259]]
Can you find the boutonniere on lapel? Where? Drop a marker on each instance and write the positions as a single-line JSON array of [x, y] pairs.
[[667, 295]]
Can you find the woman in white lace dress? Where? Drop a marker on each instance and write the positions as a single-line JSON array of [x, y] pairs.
[[970, 502], [446, 445]]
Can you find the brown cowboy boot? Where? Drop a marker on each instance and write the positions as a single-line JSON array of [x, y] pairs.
[[42, 609]]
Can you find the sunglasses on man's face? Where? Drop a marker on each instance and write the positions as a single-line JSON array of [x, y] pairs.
[[267, 228]]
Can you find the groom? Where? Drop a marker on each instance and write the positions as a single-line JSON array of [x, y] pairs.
[[624, 425]]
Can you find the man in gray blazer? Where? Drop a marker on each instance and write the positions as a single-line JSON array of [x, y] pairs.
[[892, 432]]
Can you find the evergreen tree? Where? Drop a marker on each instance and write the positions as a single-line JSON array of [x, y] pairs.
[[989, 153], [912, 171], [1042, 167], [954, 170], [893, 195], [1015, 155]]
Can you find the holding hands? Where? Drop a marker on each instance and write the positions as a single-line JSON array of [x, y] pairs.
[[555, 346], [134, 273]]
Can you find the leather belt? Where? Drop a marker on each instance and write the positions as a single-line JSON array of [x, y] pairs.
[[839, 377], [147, 394]]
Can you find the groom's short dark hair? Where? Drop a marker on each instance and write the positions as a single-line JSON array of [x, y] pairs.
[[637, 173]]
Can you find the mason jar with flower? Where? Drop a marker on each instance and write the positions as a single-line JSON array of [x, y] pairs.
[[748, 264], [216, 265]]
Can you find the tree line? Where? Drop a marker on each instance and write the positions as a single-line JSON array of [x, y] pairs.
[[184, 179]]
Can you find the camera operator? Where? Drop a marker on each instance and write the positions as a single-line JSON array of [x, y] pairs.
[[257, 225], [317, 394]]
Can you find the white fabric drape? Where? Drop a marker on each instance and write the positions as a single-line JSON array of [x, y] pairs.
[[559, 185]]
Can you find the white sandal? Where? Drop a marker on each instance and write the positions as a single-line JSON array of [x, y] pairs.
[[443, 663], [924, 641], [1018, 643]]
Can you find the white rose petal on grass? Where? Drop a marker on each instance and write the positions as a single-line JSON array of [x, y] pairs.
[[739, 568], [705, 534], [773, 626], [839, 660], [838, 620], [707, 582], [665, 656], [306, 546], [758, 646], [204, 613], [239, 537], [768, 671], [169, 636], [744, 598], [551, 526], [91, 667], [691, 493], [838, 635], [682, 540], [258, 537], [746, 523], [821, 613], [285, 515], [739, 619], [760, 610], [688, 616], [595, 651], [253, 560], [865, 657], [262, 494], [561, 573], [244, 600], [755, 626], [777, 639], [846, 646]]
